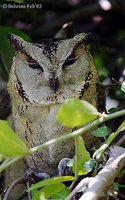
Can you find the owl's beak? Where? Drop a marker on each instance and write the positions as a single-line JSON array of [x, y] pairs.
[[54, 83]]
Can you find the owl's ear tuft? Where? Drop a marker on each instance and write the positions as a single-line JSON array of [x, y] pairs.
[[17, 42], [81, 37]]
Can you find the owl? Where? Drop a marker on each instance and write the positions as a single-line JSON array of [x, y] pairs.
[[43, 75]]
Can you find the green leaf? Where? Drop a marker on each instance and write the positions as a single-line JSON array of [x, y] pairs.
[[48, 191], [112, 110], [1, 157], [99, 61], [10, 143], [116, 186], [50, 181], [81, 158], [100, 151], [39, 196], [123, 86], [61, 195], [100, 132], [17, 1], [34, 192], [122, 172], [75, 112]]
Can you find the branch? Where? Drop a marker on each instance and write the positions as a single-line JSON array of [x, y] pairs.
[[9, 162], [83, 183], [105, 178], [100, 120]]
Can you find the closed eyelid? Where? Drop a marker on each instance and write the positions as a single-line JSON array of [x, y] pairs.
[[31, 61]]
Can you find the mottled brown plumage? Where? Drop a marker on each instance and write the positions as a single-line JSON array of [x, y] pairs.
[[42, 77]]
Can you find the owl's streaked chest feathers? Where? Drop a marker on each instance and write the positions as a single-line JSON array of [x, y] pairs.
[[42, 77]]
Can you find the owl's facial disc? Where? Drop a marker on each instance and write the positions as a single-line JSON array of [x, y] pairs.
[[44, 71], [53, 81]]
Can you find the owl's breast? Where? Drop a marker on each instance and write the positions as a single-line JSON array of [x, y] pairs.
[[38, 124]]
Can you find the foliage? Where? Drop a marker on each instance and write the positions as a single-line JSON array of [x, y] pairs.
[[82, 163], [16, 1], [99, 152], [81, 158], [51, 187], [100, 132], [6, 50], [10, 143], [123, 86], [78, 111]]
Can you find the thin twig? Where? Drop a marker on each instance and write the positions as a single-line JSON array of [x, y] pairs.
[[100, 120], [29, 193], [12, 186], [9, 162]]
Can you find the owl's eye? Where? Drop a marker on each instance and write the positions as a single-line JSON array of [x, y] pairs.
[[35, 66], [69, 61]]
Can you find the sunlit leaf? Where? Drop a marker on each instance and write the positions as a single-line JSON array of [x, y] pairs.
[[39, 196], [123, 86], [1, 158], [48, 191], [50, 181], [82, 157], [10, 143], [75, 112]]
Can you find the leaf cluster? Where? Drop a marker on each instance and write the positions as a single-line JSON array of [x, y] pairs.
[[80, 113]]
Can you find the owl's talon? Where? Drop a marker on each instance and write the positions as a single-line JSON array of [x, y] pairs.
[[63, 169], [33, 176]]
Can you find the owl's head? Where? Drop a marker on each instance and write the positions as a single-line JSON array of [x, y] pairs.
[[50, 71]]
